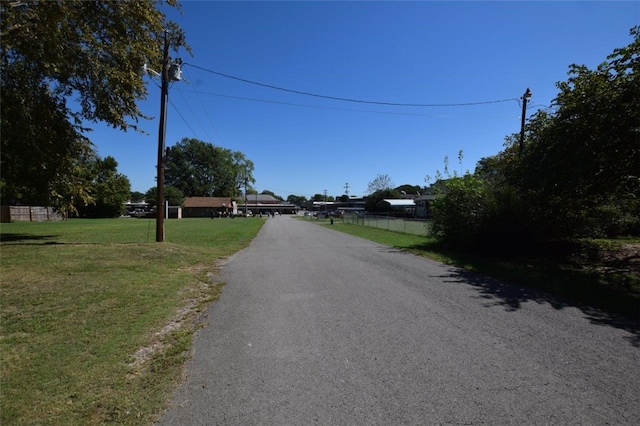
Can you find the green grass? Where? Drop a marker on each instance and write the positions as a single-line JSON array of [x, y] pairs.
[[589, 283], [81, 299]]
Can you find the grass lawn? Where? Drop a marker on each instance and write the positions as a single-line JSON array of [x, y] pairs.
[[97, 318], [602, 281]]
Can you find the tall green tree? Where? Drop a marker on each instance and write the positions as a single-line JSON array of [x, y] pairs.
[[109, 189], [52, 51], [136, 197], [409, 189], [297, 200], [579, 174], [201, 169], [172, 195], [460, 211], [581, 165]]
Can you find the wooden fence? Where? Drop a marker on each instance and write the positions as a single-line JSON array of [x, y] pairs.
[[28, 214]]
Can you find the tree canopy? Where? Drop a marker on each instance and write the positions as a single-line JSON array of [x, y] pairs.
[[579, 173], [63, 64], [589, 147], [109, 189], [582, 162], [298, 200], [201, 169], [136, 197], [172, 195], [322, 198]]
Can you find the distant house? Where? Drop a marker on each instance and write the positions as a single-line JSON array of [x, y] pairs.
[[351, 204], [208, 206], [423, 206], [397, 207], [257, 199], [265, 203]]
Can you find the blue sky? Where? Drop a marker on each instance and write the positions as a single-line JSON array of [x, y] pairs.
[[396, 52]]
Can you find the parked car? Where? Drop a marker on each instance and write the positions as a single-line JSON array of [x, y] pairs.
[[139, 213]]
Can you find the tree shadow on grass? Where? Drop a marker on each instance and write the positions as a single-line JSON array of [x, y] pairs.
[[27, 239]]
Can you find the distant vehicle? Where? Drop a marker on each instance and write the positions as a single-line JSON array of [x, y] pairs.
[[139, 213], [307, 214]]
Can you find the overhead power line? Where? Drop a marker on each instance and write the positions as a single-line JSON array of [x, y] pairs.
[[183, 119], [309, 106], [336, 98], [209, 117]]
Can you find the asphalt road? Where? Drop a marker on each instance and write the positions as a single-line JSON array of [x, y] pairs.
[[318, 327]]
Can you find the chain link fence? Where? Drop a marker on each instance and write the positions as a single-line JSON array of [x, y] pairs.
[[397, 224]]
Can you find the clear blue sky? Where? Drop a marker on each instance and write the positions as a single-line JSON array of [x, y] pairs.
[[398, 52]]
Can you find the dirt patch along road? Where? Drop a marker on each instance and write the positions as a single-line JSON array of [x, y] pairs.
[[315, 326]]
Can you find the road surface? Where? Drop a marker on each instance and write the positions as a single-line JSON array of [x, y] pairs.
[[318, 327]]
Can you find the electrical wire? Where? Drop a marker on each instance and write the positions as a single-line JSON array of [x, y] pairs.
[[336, 98], [183, 119], [196, 117], [204, 108], [312, 106]]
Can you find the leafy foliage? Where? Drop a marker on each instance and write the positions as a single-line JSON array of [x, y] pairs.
[[322, 198], [201, 169], [172, 195], [51, 52], [40, 149], [584, 160], [579, 175], [409, 189], [297, 200], [109, 189], [458, 214], [136, 197]]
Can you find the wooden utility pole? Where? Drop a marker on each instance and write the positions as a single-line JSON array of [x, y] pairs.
[[161, 141], [525, 98]]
